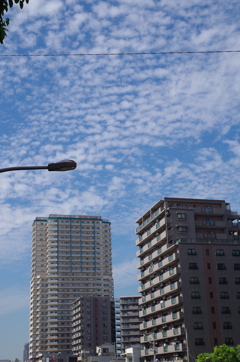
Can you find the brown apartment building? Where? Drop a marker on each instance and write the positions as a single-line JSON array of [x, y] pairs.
[[129, 322], [189, 262]]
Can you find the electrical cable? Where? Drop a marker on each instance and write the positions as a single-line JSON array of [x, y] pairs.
[[127, 53]]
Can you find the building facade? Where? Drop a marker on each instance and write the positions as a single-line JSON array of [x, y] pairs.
[[117, 327], [26, 352], [71, 257], [129, 322], [92, 323], [189, 262]]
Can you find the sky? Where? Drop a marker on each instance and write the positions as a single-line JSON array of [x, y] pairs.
[[140, 127]]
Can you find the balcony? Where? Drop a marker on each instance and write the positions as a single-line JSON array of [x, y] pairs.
[[162, 278], [166, 333], [210, 223], [160, 251], [168, 261], [215, 237], [150, 218], [172, 348], [173, 317], [209, 211], [157, 227], [151, 245]]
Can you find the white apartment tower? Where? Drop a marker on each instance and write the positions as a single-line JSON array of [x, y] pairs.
[[71, 257]]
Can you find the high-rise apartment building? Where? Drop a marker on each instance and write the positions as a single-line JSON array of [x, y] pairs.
[[129, 322], [71, 258], [26, 352], [117, 328], [189, 261], [92, 323]]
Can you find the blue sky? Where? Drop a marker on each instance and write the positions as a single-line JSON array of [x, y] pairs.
[[140, 127]]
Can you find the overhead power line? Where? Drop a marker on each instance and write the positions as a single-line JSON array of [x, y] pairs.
[[128, 53]]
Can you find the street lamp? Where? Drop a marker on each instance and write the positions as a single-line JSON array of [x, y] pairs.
[[153, 341], [65, 165]]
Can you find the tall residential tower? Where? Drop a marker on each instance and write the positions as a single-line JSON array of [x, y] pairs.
[[189, 261], [71, 258]]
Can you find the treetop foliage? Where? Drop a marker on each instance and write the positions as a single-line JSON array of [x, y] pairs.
[[4, 7], [221, 353]]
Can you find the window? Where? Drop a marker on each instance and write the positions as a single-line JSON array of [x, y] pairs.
[[238, 295], [211, 295], [196, 310], [207, 209], [181, 215], [163, 304], [207, 251], [171, 257], [236, 253], [226, 310], [220, 252], [209, 222], [192, 252], [214, 325], [212, 310], [174, 315], [224, 295], [195, 295], [164, 333], [229, 341], [199, 342], [194, 280], [209, 280], [236, 267], [182, 229], [192, 266], [221, 266], [227, 325], [223, 280], [237, 280], [175, 330], [197, 325]]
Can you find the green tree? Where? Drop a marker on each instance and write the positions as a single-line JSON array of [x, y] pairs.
[[221, 353], [4, 7]]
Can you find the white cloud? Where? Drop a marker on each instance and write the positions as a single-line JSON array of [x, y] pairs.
[[125, 273]]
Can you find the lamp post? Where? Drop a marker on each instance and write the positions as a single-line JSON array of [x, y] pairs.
[[65, 165], [153, 341]]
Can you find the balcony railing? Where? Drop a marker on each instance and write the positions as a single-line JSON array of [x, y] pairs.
[[149, 219], [206, 240]]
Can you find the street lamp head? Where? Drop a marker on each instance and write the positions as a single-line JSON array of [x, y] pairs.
[[65, 165]]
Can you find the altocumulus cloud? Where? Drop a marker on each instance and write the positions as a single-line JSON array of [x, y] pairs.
[[125, 273]]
